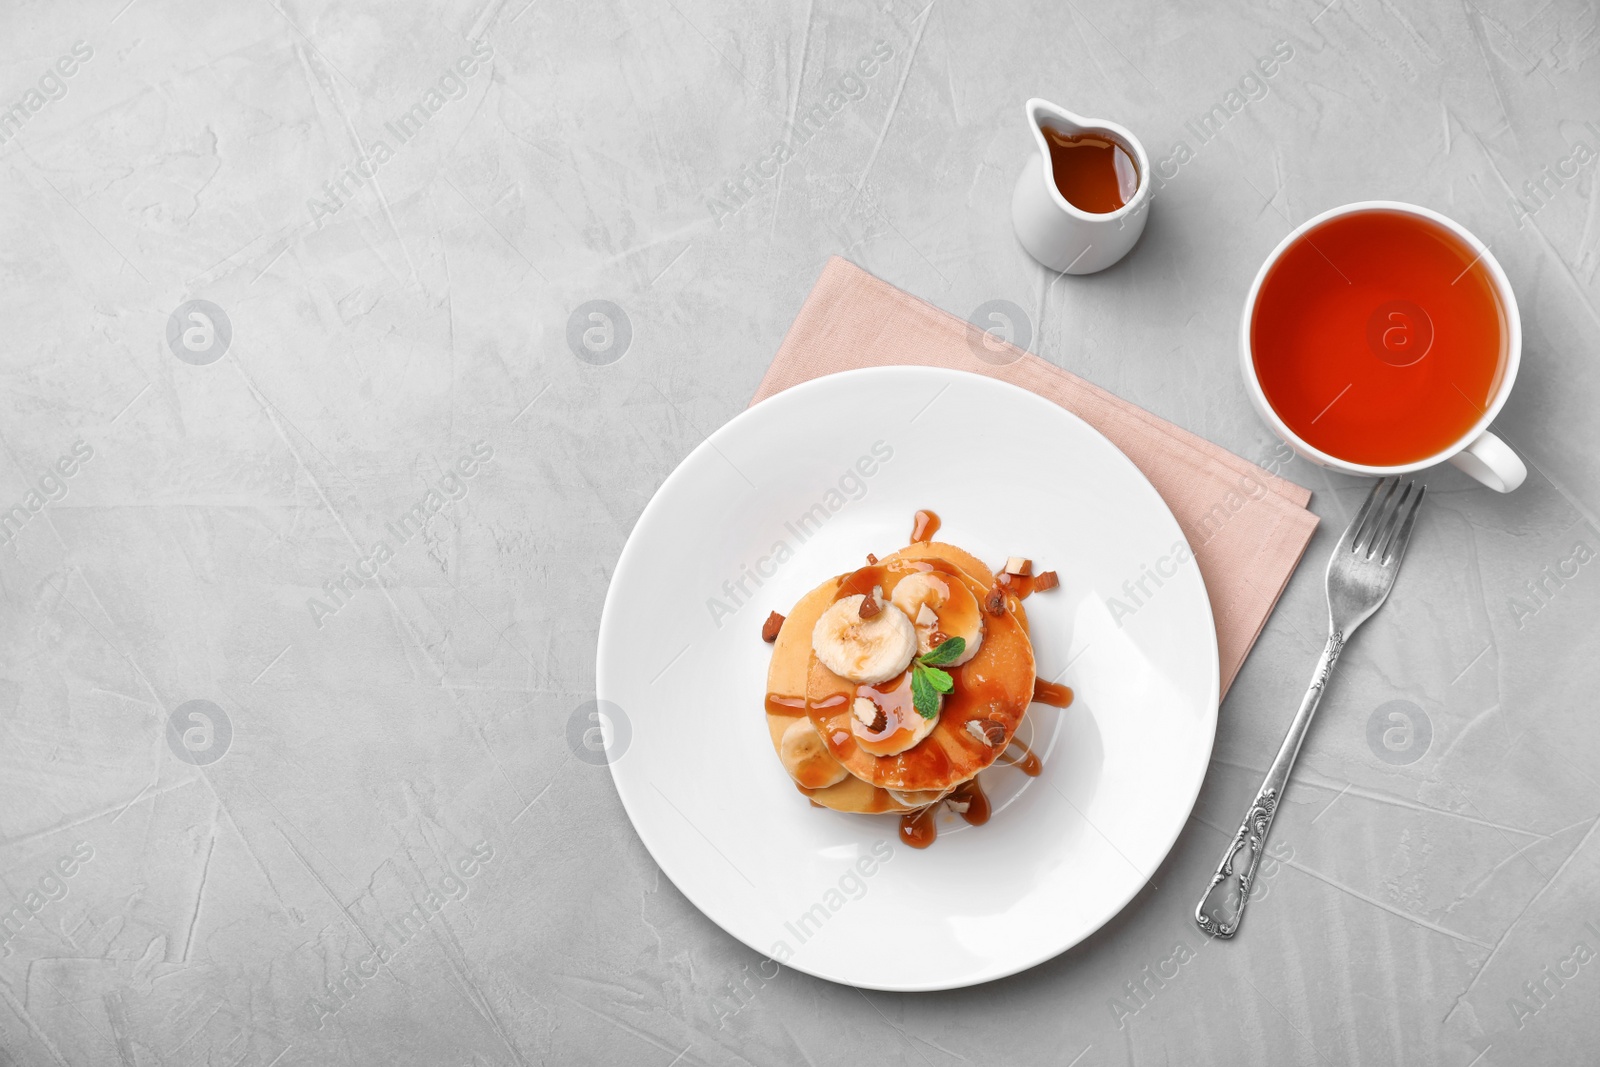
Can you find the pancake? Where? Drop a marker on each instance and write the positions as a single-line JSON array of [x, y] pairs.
[[862, 746], [997, 683], [786, 698], [808, 706]]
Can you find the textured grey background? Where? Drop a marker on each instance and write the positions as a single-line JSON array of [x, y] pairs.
[[1430, 879]]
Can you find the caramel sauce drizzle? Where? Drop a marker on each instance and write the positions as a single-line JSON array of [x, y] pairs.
[[1028, 763], [778, 704], [977, 800], [924, 524], [1056, 696], [918, 828]]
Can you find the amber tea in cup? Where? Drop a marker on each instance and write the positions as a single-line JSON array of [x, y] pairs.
[[1379, 337]]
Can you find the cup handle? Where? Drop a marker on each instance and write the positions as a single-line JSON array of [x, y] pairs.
[[1491, 461]]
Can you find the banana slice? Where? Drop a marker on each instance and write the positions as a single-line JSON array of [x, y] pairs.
[[807, 758], [942, 607], [902, 725], [864, 651]]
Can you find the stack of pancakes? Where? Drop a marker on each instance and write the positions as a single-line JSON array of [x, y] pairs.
[[809, 707]]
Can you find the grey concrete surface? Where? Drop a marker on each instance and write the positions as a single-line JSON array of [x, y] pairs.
[[374, 842]]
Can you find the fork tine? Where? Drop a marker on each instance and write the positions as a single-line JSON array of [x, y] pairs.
[[1348, 540], [1375, 515], [1391, 522], [1395, 549]]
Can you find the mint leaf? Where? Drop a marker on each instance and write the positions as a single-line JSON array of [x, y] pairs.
[[927, 681], [924, 697], [945, 651]]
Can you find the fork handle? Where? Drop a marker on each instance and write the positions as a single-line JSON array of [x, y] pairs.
[[1244, 852]]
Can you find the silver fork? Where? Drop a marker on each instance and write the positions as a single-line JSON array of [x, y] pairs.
[[1360, 575]]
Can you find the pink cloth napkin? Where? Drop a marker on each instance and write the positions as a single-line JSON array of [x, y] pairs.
[[1248, 528]]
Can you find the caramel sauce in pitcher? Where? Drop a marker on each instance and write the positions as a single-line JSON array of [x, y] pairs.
[[1094, 172]]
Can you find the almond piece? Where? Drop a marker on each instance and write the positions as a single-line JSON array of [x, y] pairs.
[[1019, 566], [993, 732], [994, 601], [869, 715], [872, 561], [770, 628], [870, 607], [988, 731], [1045, 580]]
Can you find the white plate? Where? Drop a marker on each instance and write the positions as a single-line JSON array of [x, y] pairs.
[[681, 658]]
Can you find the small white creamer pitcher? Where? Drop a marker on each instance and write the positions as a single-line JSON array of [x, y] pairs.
[[1054, 231]]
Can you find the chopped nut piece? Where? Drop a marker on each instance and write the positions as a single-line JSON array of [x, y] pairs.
[[926, 616], [870, 605], [959, 805], [1019, 566], [937, 638], [994, 601], [1045, 580], [989, 731], [770, 628], [872, 560], [869, 715]]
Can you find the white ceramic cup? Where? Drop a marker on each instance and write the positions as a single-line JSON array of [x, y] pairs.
[[1477, 452], [1054, 231]]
